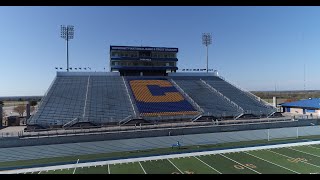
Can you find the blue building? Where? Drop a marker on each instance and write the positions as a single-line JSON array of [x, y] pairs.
[[306, 106]]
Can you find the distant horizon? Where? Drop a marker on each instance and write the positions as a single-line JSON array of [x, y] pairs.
[[273, 91]]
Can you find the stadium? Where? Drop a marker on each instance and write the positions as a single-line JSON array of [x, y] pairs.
[[143, 87], [145, 117]]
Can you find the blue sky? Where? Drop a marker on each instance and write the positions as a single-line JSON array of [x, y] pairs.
[[256, 48]]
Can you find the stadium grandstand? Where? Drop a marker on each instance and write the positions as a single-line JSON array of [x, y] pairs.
[[142, 87]]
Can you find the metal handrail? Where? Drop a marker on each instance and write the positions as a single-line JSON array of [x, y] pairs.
[[248, 93], [238, 116], [42, 99], [219, 93], [186, 95], [71, 122], [197, 117], [64, 132], [85, 101], [125, 120], [129, 95]]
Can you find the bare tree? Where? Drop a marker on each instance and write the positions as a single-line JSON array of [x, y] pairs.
[[32, 108], [20, 109]]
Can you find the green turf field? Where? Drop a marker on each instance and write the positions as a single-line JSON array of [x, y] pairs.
[[288, 160], [298, 159]]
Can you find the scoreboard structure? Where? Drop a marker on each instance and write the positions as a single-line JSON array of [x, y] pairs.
[[143, 60]]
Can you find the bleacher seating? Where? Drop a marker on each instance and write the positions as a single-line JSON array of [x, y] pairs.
[[99, 98], [106, 101], [63, 102], [158, 97], [212, 103], [242, 98]]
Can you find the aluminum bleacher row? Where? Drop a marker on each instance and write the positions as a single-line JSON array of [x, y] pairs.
[[210, 102], [101, 99], [243, 99], [98, 99], [63, 102], [107, 99]]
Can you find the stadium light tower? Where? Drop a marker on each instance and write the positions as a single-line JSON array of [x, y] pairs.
[[67, 33], [207, 40]]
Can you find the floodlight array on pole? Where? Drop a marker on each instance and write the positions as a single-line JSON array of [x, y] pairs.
[[207, 40], [67, 33]]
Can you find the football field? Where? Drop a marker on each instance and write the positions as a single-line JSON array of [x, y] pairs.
[[286, 160]]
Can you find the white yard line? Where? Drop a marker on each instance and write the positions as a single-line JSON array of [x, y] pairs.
[[109, 168], [272, 163], [207, 165], [313, 147], [142, 168], [75, 167], [293, 158], [240, 164], [175, 166], [157, 157], [304, 152]]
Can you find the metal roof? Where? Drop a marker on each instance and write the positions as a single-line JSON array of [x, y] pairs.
[[313, 103]]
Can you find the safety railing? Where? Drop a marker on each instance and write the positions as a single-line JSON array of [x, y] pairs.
[[248, 93], [145, 126], [187, 96], [223, 96], [129, 96]]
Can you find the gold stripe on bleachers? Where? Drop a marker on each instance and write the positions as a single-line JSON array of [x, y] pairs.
[[170, 113], [142, 93]]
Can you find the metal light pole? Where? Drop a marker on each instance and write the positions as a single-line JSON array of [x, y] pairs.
[[67, 33], [207, 40]]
